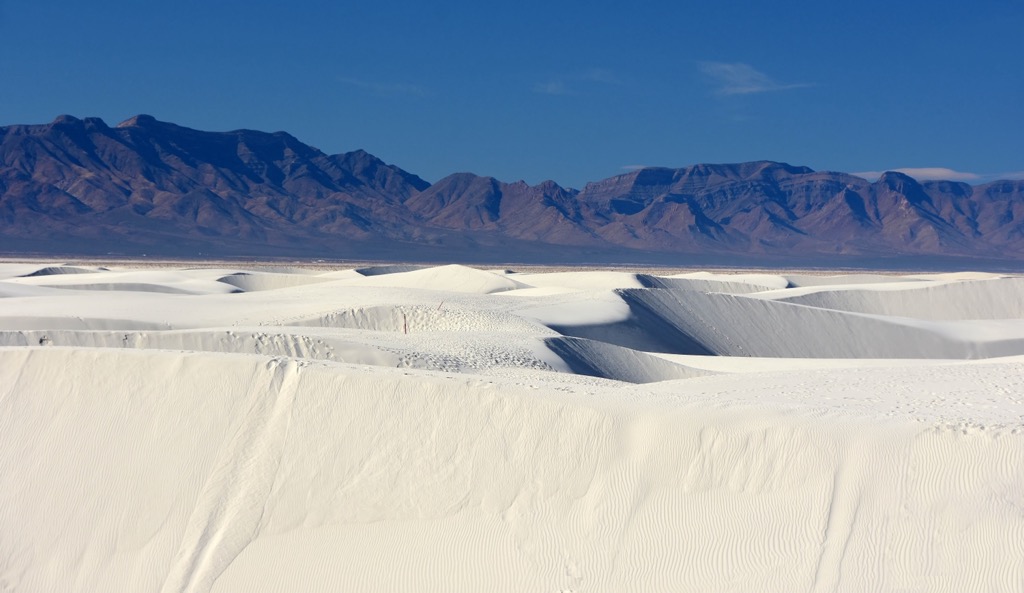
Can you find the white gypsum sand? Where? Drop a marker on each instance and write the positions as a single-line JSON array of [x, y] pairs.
[[455, 429]]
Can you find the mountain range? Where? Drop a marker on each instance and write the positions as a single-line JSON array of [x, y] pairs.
[[81, 187]]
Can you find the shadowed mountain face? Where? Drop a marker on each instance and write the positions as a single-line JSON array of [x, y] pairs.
[[80, 186], [147, 183], [773, 208]]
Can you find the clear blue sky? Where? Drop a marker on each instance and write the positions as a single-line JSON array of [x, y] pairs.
[[546, 90]]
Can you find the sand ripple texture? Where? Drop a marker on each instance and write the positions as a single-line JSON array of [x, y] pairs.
[[401, 428]]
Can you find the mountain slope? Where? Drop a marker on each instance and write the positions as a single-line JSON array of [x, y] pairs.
[[545, 212], [81, 186], [81, 178], [767, 207]]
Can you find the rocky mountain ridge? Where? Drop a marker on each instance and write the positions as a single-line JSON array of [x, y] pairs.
[[79, 186]]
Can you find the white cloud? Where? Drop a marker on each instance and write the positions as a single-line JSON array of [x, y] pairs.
[[924, 174], [633, 167], [559, 86], [737, 78], [555, 87], [599, 75], [387, 88]]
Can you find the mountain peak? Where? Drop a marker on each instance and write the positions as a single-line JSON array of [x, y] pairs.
[[748, 170], [65, 119], [138, 121], [549, 185], [895, 178]]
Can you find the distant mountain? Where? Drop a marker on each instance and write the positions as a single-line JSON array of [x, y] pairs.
[[78, 186], [545, 213], [773, 208]]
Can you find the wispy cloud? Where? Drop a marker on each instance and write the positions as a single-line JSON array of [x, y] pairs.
[[553, 87], [599, 75], [633, 167], [737, 78], [387, 88], [568, 85], [925, 174]]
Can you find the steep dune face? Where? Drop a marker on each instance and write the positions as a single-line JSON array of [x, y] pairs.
[[995, 298], [234, 430], [184, 472], [737, 325]]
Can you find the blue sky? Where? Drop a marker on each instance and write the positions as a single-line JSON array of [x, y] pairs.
[[531, 90]]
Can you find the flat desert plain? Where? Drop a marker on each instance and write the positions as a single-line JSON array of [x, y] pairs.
[[459, 429]]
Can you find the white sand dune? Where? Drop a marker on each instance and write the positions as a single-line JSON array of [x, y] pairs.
[[707, 282], [805, 280], [35, 271], [600, 359], [252, 282], [163, 281], [454, 429], [452, 278], [734, 325], [970, 299], [388, 269], [579, 281]]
